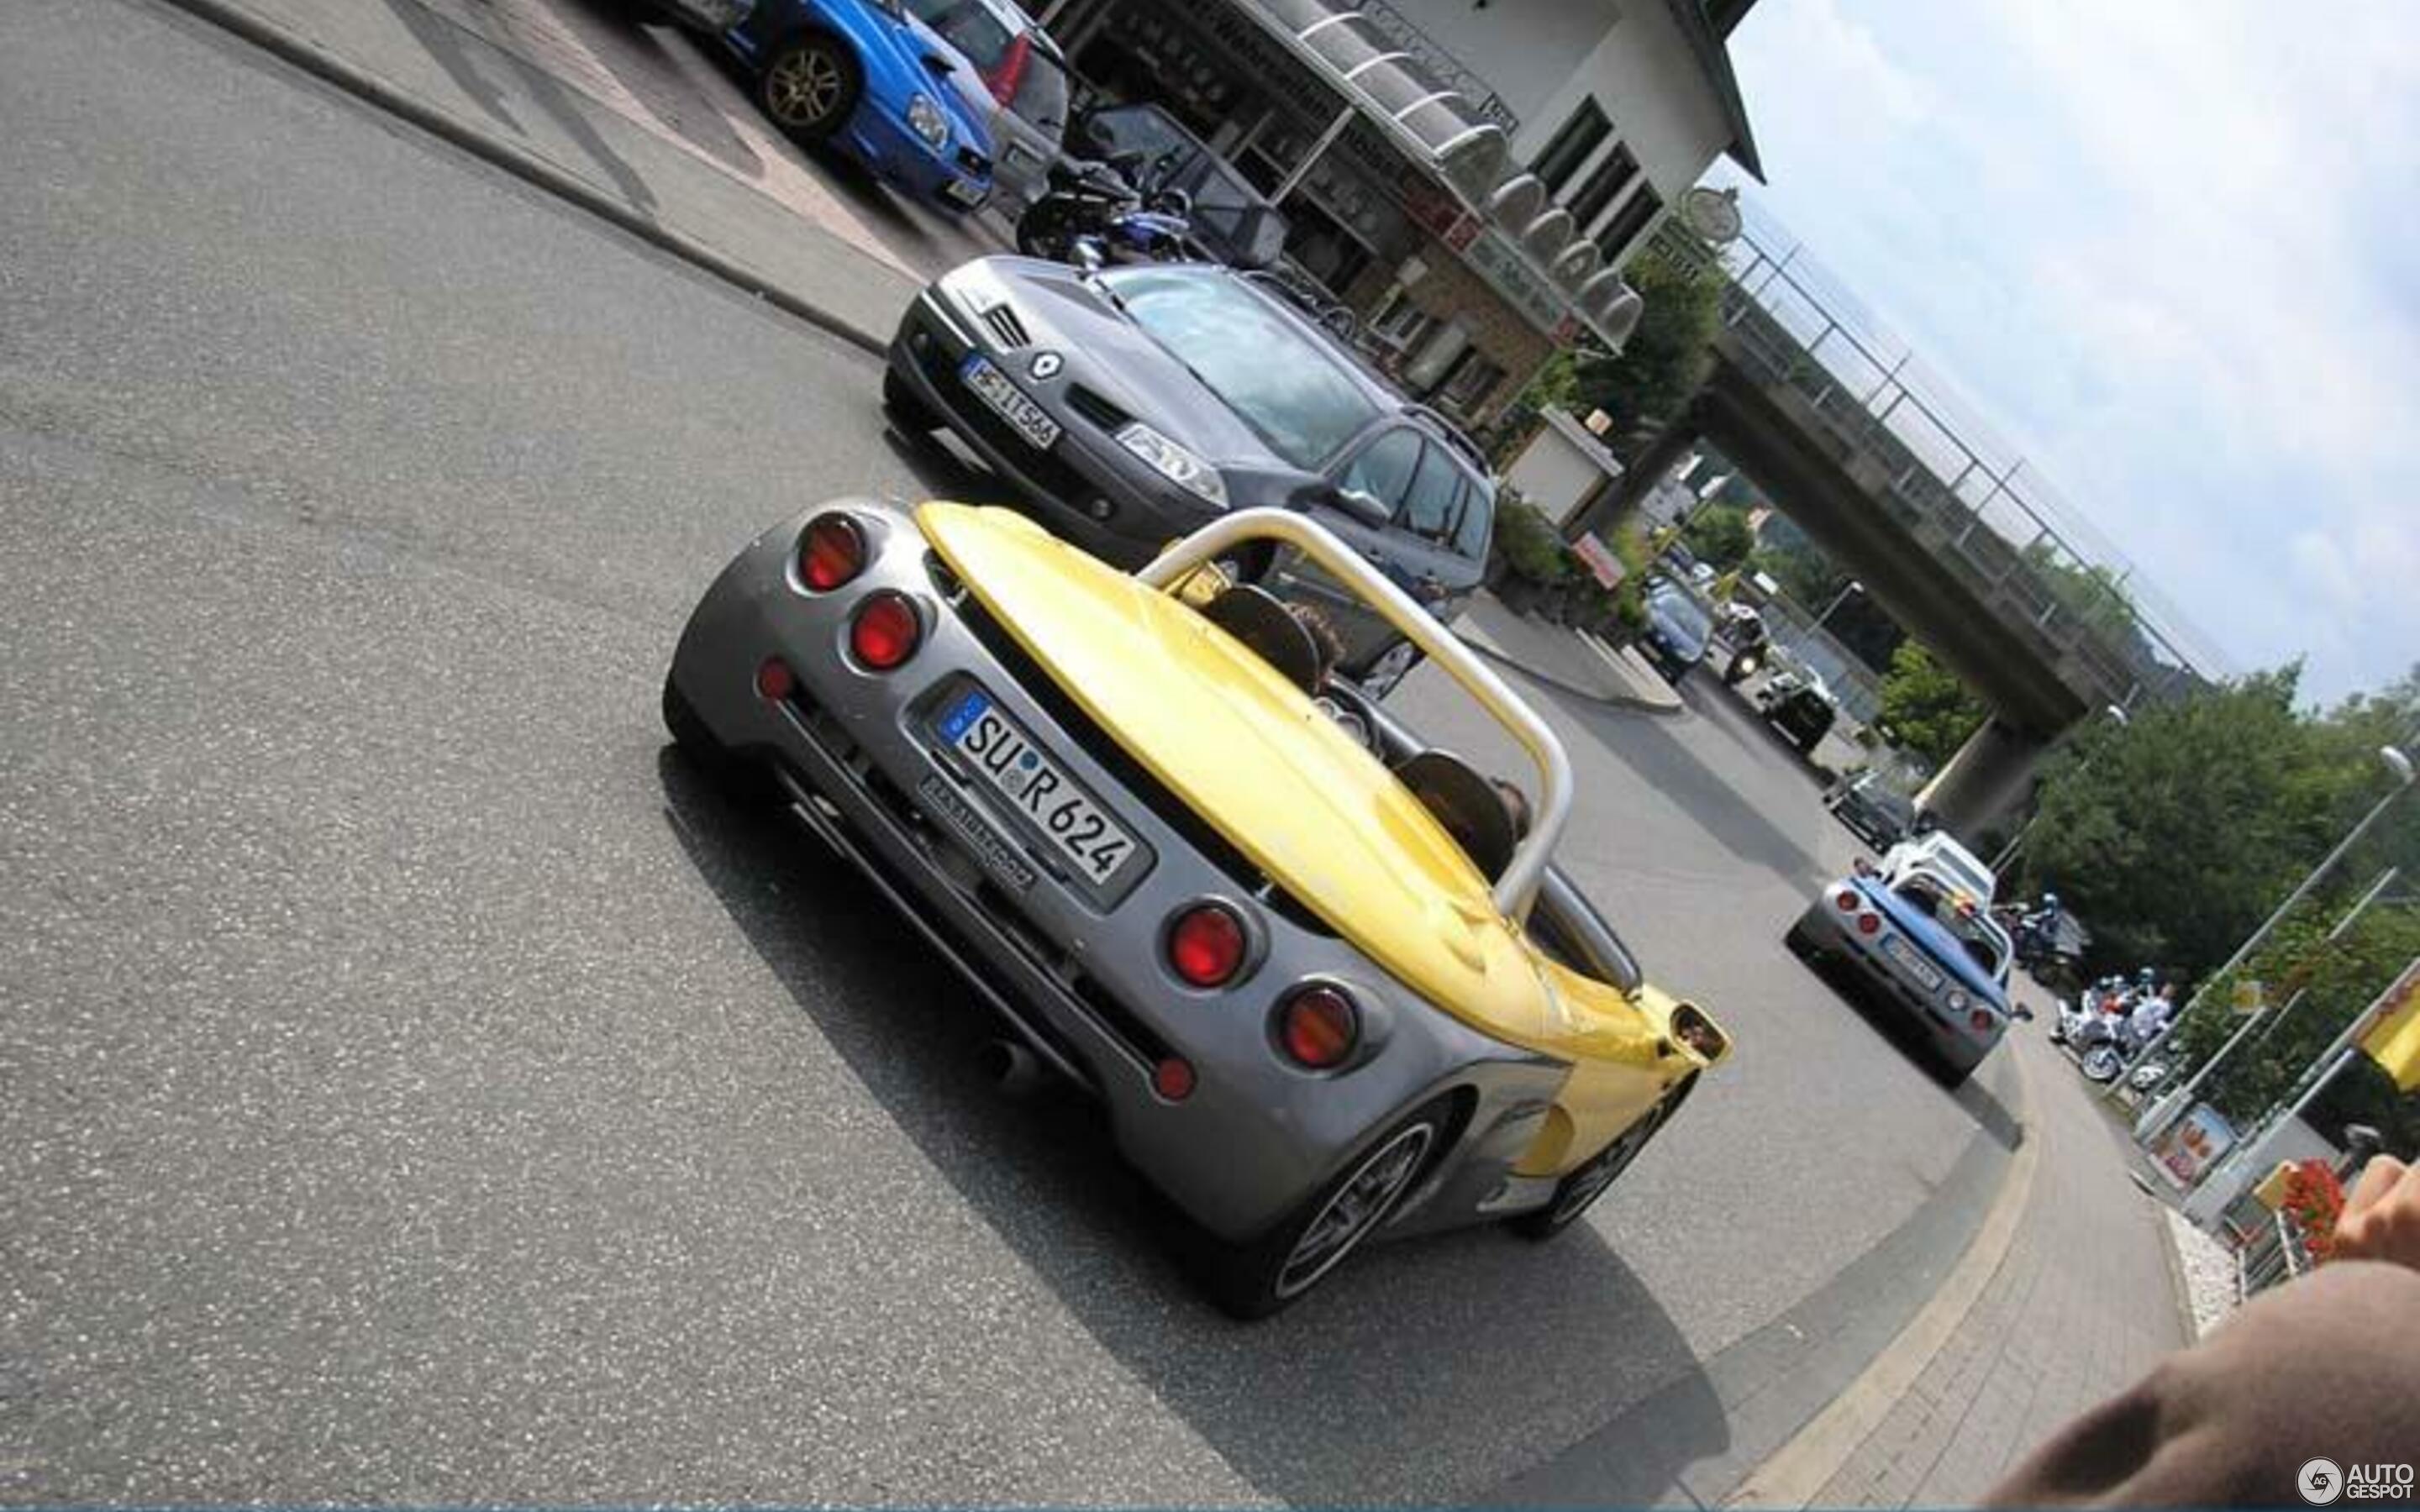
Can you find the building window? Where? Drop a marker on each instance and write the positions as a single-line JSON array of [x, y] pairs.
[[1628, 222], [1573, 145], [1472, 381], [1399, 322], [1604, 187]]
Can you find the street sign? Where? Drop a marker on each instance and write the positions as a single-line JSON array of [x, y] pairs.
[[1601, 561], [2192, 1145]]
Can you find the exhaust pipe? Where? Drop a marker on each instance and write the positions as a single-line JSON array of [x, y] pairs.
[[1009, 1066]]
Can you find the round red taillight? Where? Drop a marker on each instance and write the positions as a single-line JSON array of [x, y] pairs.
[[1846, 899], [1982, 1018], [775, 681], [884, 631], [1870, 923], [1206, 945], [1173, 1079], [831, 553], [1318, 1027]]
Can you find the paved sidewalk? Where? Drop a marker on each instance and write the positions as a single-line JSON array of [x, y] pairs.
[[2083, 1303], [1578, 664], [640, 118]]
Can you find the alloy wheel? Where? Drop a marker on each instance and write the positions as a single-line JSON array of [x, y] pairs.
[[804, 86], [1359, 1201]]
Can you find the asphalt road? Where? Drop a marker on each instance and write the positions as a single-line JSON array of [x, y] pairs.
[[419, 1089]]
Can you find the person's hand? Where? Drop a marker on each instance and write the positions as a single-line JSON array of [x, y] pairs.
[[2382, 1218]]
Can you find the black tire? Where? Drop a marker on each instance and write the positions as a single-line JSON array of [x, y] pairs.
[[2100, 1063], [715, 762], [809, 85], [1579, 1189], [1801, 944], [1264, 1277], [906, 408]]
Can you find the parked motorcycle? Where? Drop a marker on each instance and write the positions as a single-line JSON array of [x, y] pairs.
[[2102, 1028], [1096, 204]]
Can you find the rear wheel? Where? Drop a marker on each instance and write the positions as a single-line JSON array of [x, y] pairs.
[[810, 86], [1266, 1275], [1580, 1188]]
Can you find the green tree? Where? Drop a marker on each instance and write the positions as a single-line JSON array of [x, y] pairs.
[[1926, 709], [2175, 834], [1666, 357], [1719, 536]]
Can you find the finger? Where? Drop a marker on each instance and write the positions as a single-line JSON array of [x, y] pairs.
[[2378, 1179]]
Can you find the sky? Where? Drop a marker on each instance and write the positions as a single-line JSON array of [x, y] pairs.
[[2171, 248]]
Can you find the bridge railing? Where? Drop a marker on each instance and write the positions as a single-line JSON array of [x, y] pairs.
[[1964, 494]]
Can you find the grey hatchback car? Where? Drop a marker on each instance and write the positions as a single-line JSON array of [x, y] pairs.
[[1027, 77], [1133, 404]]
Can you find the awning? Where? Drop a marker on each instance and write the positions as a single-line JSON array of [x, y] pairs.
[[1432, 110]]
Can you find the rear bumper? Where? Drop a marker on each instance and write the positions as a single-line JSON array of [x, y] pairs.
[[1855, 963], [1082, 984]]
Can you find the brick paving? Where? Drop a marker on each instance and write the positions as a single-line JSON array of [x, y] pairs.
[[2082, 1304]]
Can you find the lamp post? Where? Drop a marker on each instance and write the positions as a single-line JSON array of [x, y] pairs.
[[1838, 599], [2163, 1112]]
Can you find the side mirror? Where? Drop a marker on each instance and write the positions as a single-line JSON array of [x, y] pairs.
[[1862, 867], [2020, 1011]]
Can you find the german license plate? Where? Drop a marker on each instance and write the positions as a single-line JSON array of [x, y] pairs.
[[1007, 761], [1915, 965], [1009, 401], [965, 191]]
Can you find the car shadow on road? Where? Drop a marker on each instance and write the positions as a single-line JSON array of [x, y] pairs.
[[1427, 1371], [642, 55], [1978, 1102]]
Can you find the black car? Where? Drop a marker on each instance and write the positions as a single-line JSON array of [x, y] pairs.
[[1802, 712], [1130, 405], [1879, 815], [1680, 628]]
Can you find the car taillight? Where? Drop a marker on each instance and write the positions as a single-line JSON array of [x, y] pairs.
[[1206, 945], [831, 552], [884, 631], [1318, 1027], [1870, 923], [1011, 71], [775, 681], [1982, 1020], [1846, 899], [1173, 1079]]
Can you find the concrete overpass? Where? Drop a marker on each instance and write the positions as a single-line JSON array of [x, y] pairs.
[[1838, 427]]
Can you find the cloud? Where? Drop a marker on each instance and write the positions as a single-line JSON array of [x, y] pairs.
[[2167, 246]]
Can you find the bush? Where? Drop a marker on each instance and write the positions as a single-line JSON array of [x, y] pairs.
[[1530, 544]]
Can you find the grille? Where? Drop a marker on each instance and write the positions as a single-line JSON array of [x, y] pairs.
[[1005, 327], [1043, 468], [1095, 409]]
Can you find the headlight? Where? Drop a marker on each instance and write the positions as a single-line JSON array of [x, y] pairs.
[[925, 119], [1174, 463], [1957, 1000]]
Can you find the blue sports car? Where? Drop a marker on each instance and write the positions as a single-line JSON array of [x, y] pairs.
[[874, 82], [1918, 944]]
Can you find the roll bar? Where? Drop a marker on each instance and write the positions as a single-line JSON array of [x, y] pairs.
[[1519, 884]]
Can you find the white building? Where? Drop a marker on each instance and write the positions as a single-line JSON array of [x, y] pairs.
[[1470, 175]]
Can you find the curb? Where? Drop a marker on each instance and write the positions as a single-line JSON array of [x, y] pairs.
[[1610, 700], [2188, 1322], [527, 166], [1794, 1474]]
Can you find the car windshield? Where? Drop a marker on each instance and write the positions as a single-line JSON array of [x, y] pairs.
[[967, 26], [1961, 915], [1686, 613], [1294, 396]]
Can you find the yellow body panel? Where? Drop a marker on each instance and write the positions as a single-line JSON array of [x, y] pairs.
[[1252, 754]]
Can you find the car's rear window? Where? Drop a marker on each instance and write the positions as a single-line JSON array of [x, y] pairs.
[[1041, 92], [1964, 918], [967, 26]]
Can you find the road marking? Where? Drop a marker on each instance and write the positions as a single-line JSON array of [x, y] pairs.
[[1794, 1473]]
